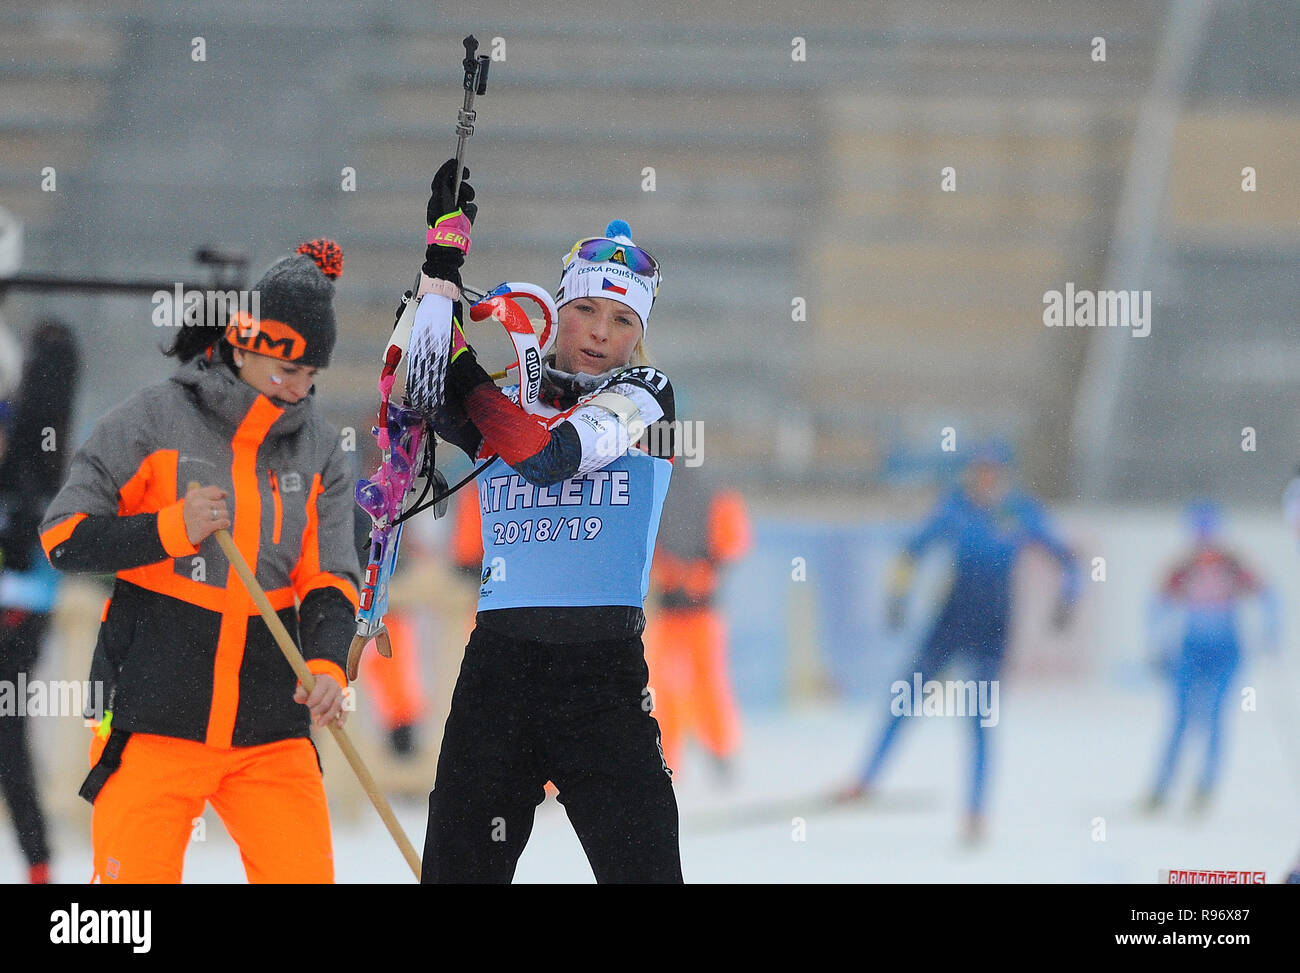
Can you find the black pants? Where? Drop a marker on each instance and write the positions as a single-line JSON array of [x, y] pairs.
[[576, 714], [20, 643]]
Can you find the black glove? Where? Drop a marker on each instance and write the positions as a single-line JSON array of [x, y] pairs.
[[453, 426], [440, 261], [464, 374]]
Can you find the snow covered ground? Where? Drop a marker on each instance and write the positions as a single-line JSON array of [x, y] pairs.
[[1067, 762]]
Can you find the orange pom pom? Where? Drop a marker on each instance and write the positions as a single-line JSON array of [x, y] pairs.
[[327, 254]]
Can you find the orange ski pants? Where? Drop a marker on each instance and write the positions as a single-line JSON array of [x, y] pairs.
[[270, 797], [396, 682], [686, 653]]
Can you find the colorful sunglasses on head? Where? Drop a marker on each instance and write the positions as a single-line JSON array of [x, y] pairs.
[[603, 250]]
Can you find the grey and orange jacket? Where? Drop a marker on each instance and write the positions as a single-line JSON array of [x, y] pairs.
[[182, 648]]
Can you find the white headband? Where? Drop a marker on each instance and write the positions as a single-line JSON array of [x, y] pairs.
[[582, 278]]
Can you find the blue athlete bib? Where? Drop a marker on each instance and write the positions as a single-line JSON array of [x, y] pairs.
[[583, 541]]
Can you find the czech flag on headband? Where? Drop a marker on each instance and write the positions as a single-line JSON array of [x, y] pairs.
[[609, 285]]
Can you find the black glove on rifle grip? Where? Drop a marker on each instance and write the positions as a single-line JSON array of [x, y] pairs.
[[440, 261]]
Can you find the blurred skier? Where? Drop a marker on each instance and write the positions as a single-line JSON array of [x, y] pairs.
[[988, 521], [1201, 598], [686, 640]]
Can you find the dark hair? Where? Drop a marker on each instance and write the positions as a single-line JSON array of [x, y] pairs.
[[195, 340]]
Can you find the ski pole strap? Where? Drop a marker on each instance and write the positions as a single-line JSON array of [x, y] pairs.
[[109, 761], [451, 230]]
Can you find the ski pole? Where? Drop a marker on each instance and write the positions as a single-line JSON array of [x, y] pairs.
[[308, 680]]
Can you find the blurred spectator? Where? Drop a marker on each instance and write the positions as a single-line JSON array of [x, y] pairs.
[[31, 471], [702, 529]]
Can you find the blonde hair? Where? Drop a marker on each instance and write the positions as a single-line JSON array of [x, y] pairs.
[[641, 354]]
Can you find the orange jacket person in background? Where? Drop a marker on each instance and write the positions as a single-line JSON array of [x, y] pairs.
[[201, 706], [686, 639], [398, 690]]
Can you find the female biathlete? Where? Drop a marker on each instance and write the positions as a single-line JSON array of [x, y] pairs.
[[553, 684], [202, 706]]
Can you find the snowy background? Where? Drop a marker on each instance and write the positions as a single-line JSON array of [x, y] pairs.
[[1077, 741], [829, 309]]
